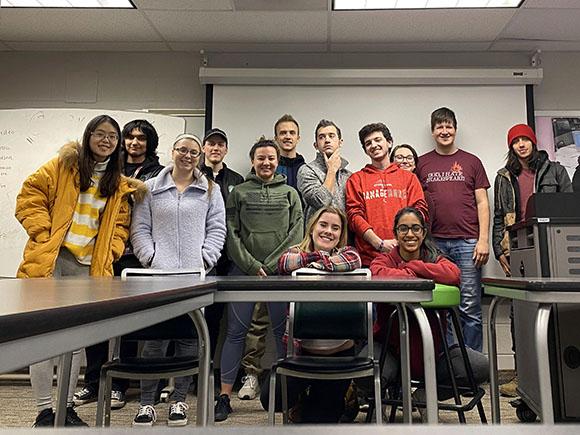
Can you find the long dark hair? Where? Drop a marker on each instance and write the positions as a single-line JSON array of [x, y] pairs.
[[429, 251], [148, 130], [109, 183], [514, 166]]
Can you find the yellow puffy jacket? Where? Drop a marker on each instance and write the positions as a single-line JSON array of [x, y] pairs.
[[45, 208]]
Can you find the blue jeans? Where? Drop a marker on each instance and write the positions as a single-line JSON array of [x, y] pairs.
[[461, 252]]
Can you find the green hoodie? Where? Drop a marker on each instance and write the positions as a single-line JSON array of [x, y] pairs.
[[264, 218]]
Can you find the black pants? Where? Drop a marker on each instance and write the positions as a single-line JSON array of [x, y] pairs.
[[323, 400]]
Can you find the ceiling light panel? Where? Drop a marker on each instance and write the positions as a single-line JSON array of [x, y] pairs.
[[422, 4], [107, 4]]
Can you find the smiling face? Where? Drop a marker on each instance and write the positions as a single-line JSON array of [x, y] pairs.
[[185, 154], [410, 235], [104, 139], [405, 159], [215, 149], [327, 140], [444, 134], [287, 137], [265, 162], [326, 233], [523, 147], [377, 147]]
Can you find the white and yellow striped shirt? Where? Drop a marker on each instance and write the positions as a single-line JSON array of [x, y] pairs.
[[81, 236]]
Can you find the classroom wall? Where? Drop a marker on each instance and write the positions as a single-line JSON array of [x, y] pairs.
[[170, 80]]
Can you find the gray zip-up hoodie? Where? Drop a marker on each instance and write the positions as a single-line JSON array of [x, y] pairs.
[[172, 230]]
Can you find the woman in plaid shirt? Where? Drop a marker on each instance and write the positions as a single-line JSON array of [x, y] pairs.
[[324, 248]]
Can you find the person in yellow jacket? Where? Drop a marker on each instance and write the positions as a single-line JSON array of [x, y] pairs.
[[76, 212]]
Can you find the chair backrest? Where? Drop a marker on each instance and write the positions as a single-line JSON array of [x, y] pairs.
[[330, 320], [179, 327], [134, 272]]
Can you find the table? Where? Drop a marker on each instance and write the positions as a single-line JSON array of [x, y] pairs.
[[345, 288], [542, 291], [43, 318]]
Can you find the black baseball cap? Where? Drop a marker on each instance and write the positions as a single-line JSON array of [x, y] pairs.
[[215, 131]]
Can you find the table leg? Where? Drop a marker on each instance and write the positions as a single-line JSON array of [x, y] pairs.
[[405, 363], [492, 354], [541, 332], [64, 368], [428, 363], [203, 387]]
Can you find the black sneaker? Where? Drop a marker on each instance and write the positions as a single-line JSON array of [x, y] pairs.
[[45, 418], [177, 416], [86, 395], [72, 419], [222, 408], [146, 416], [117, 399]]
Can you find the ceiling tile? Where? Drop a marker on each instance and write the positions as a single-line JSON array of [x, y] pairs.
[[75, 25], [184, 5], [240, 27], [89, 46], [418, 26], [281, 5], [552, 4], [536, 24], [229, 47], [403, 47]]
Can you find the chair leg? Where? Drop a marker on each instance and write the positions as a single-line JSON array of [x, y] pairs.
[[284, 385], [210, 398], [272, 398], [378, 398], [451, 371], [468, 368]]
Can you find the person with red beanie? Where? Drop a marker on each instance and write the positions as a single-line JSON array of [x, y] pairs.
[[527, 171], [377, 192]]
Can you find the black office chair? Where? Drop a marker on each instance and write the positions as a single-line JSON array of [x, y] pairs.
[[139, 368], [332, 321]]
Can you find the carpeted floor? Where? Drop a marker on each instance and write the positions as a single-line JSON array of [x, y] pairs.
[[19, 410]]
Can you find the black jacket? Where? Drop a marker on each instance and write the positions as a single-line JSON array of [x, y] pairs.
[[226, 179], [550, 177], [576, 178], [149, 169]]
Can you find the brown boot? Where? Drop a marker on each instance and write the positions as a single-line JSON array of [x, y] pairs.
[[509, 389]]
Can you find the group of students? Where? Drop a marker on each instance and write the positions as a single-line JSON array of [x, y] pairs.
[[106, 203]]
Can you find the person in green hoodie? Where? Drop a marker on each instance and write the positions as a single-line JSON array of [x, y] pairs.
[[264, 219]]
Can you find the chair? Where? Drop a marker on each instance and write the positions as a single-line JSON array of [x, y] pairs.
[[446, 299], [139, 368], [329, 320]]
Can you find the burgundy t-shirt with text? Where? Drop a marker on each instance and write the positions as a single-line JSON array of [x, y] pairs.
[[451, 181]]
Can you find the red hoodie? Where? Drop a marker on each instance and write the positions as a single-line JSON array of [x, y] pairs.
[[373, 198], [443, 271]]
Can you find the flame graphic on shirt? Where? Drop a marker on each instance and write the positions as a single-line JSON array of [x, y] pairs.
[[456, 168]]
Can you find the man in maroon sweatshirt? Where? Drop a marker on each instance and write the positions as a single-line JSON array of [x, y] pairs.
[[377, 192]]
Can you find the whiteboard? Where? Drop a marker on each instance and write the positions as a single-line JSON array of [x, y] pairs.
[[484, 115], [31, 137]]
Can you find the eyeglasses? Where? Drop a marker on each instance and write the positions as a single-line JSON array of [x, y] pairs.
[[100, 135], [404, 229], [402, 158], [183, 151]]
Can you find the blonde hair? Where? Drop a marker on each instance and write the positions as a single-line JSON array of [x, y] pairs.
[[197, 140], [307, 244]]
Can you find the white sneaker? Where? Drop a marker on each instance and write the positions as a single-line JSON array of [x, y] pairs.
[[250, 389], [177, 415], [146, 416]]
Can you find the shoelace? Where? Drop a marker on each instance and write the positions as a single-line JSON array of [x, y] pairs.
[[147, 410], [178, 408], [252, 380], [84, 392], [116, 395]]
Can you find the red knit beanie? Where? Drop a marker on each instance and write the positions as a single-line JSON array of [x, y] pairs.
[[521, 130]]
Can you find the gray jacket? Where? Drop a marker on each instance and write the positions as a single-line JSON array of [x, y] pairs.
[[172, 230], [311, 186]]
